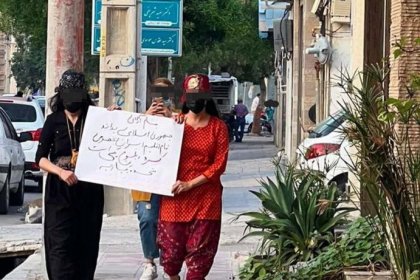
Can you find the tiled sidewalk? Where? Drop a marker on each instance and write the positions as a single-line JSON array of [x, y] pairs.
[[120, 253]]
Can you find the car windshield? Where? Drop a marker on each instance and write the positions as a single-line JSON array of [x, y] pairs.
[[19, 112], [328, 125]]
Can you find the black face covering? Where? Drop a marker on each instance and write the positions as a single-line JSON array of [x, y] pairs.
[[73, 99], [73, 107], [195, 107]]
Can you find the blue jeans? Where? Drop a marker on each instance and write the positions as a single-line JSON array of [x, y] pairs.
[[147, 214], [239, 128]]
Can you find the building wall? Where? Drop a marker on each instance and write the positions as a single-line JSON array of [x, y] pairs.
[[303, 84], [7, 48], [405, 23], [3, 63], [339, 35]]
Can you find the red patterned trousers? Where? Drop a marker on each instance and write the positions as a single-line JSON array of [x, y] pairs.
[[194, 242]]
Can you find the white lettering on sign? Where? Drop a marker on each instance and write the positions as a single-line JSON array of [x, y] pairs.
[[130, 150]]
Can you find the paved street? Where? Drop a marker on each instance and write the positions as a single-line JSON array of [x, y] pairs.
[[16, 214], [120, 252]]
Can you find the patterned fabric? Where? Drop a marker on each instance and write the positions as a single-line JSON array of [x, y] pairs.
[[72, 79], [204, 152], [195, 242], [241, 110]]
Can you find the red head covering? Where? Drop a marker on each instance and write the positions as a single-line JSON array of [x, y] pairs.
[[196, 83]]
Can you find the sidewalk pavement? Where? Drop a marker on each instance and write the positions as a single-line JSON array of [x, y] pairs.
[[120, 252]]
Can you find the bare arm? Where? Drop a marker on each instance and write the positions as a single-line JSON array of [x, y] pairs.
[[67, 176], [181, 186]]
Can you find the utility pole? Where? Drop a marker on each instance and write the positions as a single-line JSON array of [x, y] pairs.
[[65, 46], [117, 78], [65, 43]]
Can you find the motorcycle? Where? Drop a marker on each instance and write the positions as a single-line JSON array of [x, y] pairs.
[[265, 124]]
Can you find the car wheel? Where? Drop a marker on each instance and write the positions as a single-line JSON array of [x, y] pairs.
[[16, 199], [4, 197]]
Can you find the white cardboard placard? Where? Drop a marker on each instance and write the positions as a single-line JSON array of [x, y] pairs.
[[130, 150]]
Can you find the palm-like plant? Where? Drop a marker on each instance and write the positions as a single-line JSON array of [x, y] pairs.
[[298, 215], [387, 165]]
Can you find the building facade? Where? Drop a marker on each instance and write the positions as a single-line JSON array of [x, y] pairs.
[[7, 48], [331, 36]]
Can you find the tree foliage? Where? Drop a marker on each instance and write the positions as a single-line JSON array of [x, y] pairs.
[[220, 33], [224, 35], [26, 21]]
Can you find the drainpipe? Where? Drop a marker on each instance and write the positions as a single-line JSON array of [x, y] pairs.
[[319, 105]]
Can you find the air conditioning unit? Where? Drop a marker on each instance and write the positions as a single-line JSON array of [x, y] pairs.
[[340, 11]]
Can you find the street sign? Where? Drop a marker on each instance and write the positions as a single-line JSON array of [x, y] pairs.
[[161, 28], [97, 9], [161, 13], [96, 27], [161, 42]]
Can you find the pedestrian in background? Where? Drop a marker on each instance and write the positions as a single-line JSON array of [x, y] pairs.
[[148, 204], [190, 222], [73, 209], [255, 103], [240, 113]]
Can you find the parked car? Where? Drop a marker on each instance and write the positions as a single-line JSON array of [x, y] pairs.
[[12, 161], [8, 94], [41, 101], [326, 150], [26, 116]]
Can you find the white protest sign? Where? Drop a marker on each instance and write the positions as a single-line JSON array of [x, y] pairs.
[[129, 150]]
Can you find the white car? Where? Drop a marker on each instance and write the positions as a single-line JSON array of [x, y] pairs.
[[326, 150], [26, 116], [12, 160], [41, 101]]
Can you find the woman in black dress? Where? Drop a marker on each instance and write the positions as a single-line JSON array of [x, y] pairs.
[[73, 209]]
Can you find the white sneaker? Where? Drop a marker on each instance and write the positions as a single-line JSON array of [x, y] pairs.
[[149, 272]]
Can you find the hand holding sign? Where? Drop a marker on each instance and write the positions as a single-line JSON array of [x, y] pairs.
[[130, 150]]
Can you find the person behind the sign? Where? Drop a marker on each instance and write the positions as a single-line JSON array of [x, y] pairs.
[[190, 222], [147, 203], [73, 209], [241, 111]]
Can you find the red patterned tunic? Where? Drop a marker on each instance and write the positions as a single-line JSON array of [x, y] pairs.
[[204, 152]]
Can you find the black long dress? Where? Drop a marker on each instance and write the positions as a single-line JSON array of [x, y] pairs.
[[73, 214]]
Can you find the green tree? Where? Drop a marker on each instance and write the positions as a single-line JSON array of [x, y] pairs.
[[220, 33], [26, 21], [224, 35]]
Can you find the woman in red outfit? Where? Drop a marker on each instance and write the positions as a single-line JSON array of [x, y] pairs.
[[189, 224]]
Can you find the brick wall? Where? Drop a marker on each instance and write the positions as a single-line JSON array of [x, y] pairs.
[[405, 23], [304, 75]]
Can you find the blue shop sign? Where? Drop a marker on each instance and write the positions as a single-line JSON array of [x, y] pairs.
[[161, 42], [165, 14]]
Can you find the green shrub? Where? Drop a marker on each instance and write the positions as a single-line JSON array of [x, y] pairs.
[[296, 221], [359, 248]]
